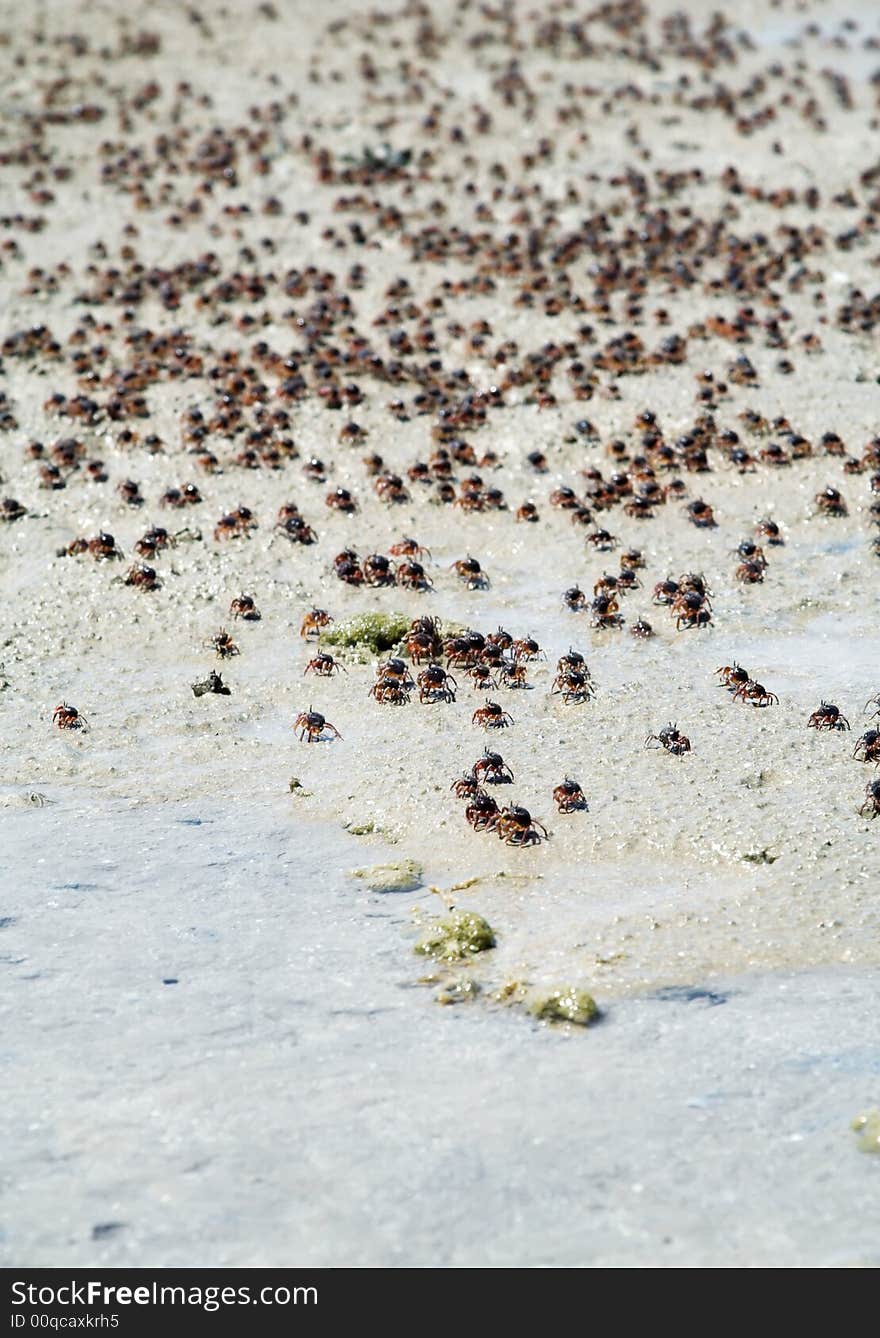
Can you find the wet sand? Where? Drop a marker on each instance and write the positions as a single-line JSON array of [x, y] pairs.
[[222, 1058]]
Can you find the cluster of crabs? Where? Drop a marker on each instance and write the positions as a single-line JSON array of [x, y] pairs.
[[499, 658], [867, 748], [604, 608], [687, 600], [492, 661], [377, 569], [512, 823]]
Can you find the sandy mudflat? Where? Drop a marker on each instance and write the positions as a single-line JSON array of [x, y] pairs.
[[298, 1083], [222, 1057]]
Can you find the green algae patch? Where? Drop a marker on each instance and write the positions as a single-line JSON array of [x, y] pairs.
[[373, 632], [867, 1126], [403, 876], [456, 937], [565, 1005]]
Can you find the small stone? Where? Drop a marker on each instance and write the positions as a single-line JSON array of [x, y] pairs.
[[867, 1126]]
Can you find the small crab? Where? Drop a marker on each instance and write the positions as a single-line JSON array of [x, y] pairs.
[[74, 548], [750, 572], [573, 685], [296, 530], [412, 576], [396, 671], [223, 644], [569, 797], [466, 787], [767, 529], [695, 581], [627, 580], [244, 606], [213, 683], [606, 585], [756, 693], [604, 612], [311, 725], [482, 812], [513, 675], [516, 827], [481, 676], [574, 599], [235, 524], [154, 542], [104, 548], [639, 508], [434, 685], [313, 621], [176, 498], [742, 460], [827, 716], [471, 573], [340, 499], [871, 805], [691, 610], [527, 512], [642, 629], [142, 576], [410, 548], [491, 716], [670, 738], [68, 717], [377, 570], [868, 747], [421, 646], [773, 454], [526, 648], [427, 626], [665, 592], [324, 665], [700, 513], [502, 639], [748, 551], [390, 692], [733, 676], [572, 659], [491, 769], [11, 509], [829, 502], [347, 567], [460, 652]]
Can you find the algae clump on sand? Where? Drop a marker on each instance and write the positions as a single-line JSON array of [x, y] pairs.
[[565, 1005], [457, 936], [375, 632], [403, 876]]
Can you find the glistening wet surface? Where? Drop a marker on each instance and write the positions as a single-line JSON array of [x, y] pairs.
[[217, 1051]]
